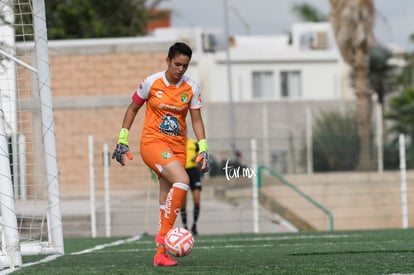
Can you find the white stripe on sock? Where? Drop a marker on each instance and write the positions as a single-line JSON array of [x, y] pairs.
[[181, 186]]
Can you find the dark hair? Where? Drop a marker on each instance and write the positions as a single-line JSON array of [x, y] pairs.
[[179, 48]]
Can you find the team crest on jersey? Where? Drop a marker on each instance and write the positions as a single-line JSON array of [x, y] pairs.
[[165, 154], [184, 97], [169, 125]]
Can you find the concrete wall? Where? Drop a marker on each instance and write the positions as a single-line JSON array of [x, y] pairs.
[[356, 200]]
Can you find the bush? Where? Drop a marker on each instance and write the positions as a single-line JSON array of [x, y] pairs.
[[335, 142]]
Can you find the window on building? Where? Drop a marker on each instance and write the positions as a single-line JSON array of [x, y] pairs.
[[291, 86], [263, 84]]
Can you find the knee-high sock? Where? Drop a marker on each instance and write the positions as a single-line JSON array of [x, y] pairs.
[[160, 248], [173, 204], [162, 211], [196, 214]]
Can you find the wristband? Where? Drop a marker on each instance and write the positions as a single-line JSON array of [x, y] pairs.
[[202, 144], [123, 136]]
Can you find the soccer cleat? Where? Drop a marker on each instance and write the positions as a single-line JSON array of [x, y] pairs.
[[160, 240], [194, 230], [164, 260]]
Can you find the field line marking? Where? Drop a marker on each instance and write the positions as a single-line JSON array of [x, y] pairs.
[[102, 246], [54, 257], [45, 260]]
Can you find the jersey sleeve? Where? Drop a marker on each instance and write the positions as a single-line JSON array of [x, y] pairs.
[[195, 102], [141, 94]]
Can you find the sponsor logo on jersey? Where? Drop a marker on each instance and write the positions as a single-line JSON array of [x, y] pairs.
[[169, 125], [170, 107]]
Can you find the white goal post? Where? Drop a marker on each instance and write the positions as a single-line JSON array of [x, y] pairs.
[[31, 222]]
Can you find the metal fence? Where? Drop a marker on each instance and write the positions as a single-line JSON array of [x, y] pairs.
[[354, 199], [293, 155]]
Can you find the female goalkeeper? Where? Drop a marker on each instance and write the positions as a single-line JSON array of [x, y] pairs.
[[168, 95]]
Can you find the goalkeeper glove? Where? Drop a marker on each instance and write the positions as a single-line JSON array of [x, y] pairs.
[[203, 156], [122, 148]]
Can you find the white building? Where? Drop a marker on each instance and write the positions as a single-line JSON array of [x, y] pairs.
[[304, 65]]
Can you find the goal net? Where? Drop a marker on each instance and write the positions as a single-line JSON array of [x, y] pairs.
[[30, 218]]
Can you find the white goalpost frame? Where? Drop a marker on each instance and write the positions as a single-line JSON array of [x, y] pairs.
[[107, 191], [92, 195], [10, 247], [8, 223], [403, 172], [255, 187], [48, 128]]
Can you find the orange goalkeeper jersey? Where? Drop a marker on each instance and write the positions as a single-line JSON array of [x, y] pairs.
[[166, 108]]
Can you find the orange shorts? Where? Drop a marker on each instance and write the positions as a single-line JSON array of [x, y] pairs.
[[158, 154]]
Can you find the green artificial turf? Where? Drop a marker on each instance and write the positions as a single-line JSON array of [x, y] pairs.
[[339, 252]]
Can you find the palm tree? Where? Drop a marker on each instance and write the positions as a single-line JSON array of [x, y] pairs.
[[352, 22], [380, 71]]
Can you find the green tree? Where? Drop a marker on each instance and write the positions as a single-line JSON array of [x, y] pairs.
[[71, 19], [383, 77], [309, 13], [408, 72], [401, 115], [380, 71]]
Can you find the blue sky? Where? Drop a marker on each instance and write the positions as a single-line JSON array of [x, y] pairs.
[[394, 18]]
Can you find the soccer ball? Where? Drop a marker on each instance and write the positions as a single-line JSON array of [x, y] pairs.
[[179, 242]]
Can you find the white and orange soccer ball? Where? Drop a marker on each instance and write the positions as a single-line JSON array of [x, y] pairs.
[[179, 242]]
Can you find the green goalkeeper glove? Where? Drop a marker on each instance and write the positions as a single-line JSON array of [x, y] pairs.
[[203, 156], [122, 147]]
